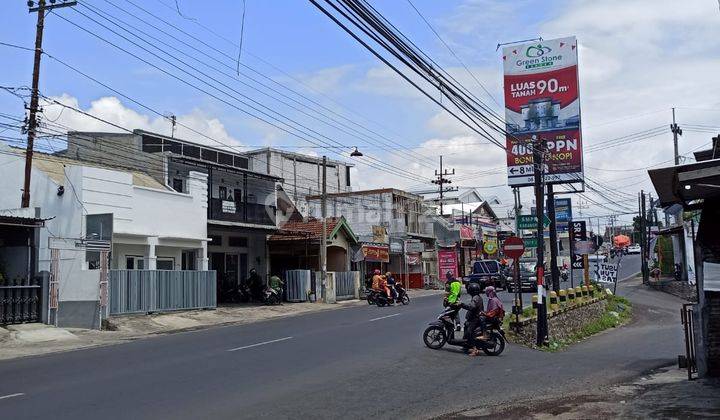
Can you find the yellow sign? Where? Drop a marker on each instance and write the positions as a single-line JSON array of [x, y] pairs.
[[490, 247]]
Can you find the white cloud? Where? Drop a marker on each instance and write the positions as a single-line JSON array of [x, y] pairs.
[[326, 80], [111, 109]]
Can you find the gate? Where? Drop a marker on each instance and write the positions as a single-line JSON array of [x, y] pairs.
[[20, 301], [297, 285], [345, 285], [686, 315]]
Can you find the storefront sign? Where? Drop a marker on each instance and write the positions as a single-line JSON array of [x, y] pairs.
[[412, 247], [228, 206], [414, 259], [467, 232], [542, 101], [379, 234], [578, 233], [396, 245], [376, 253], [447, 261], [490, 247]]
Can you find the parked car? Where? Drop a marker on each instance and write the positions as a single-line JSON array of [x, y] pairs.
[[486, 273], [528, 277], [634, 249]]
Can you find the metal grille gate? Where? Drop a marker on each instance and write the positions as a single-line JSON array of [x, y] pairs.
[[20, 301], [344, 285], [686, 316]]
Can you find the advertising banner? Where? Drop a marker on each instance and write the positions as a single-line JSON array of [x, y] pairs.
[[607, 273], [414, 246], [578, 234], [376, 253], [542, 101], [447, 261], [563, 214], [379, 234]]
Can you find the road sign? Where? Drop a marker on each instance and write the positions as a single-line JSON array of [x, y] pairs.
[[513, 247], [578, 234], [530, 242], [529, 222], [584, 247]]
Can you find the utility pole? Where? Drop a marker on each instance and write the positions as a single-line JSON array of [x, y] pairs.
[[538, 155], [323, 236], [34, 94], [676, 130], [555, 273], [643, 237], [441, 180]]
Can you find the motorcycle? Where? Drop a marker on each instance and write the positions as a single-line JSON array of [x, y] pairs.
[[442, 332], [381, 299], [272, 296], [564, 274]]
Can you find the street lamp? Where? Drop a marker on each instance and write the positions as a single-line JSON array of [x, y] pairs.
[[356, 153]]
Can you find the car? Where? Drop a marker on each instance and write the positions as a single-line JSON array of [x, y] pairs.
[[634, 249], [486, 273], [528, 277]]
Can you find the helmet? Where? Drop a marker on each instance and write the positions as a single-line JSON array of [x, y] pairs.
[[449, 275], [489, 290], [377, 271], [473, 289], [388, 274]]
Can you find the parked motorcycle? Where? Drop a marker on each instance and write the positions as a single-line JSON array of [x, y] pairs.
[[272, 296], [442, 332]]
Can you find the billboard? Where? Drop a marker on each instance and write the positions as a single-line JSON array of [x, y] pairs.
[[563, 214], [542, 101], [447, 261]]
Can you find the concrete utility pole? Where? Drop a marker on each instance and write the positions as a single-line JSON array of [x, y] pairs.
[[441, 181], [34, 94], [676, 130], [538, 152], [323, 236]]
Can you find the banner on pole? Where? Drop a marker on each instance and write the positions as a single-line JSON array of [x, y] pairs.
[[542, 101], [578, 237], [607, 273]]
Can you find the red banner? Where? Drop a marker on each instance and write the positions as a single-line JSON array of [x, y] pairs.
[[376, 253], [447, 261]]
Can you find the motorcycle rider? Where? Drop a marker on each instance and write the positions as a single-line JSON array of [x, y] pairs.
[[254, 283], [472, 317], [391, 285], [276, 283], [453, 289], [494, 310]]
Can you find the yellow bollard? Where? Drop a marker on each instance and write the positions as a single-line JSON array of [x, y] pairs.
[[591, 291], [585, 293], [578, 294], [553, 301], [571, 296], [562, 295]]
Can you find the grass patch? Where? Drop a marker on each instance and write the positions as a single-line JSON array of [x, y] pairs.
[[618, 311]]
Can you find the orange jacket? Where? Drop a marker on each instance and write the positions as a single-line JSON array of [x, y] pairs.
[[376, 281]]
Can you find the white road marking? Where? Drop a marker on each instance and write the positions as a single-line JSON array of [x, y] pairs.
[[4, 397], [260, 344], [383, 317]]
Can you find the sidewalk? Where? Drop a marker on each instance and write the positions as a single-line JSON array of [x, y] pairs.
[[665, 393], [36, 339]]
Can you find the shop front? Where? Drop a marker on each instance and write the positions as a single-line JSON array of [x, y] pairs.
[[371, 256]]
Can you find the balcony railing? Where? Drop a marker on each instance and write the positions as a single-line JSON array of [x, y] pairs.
[[229, 211]]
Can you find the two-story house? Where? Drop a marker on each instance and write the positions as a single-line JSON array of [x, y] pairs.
[[394, 233], [241, 203], [301, 174]]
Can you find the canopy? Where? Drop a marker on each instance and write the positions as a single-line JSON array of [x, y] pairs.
[[621, 241]]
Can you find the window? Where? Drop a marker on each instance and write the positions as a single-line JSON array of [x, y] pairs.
[[151, 144], [225, 159], [238, 241], [172, 146], [165, 263], [240, 162], [134, 262], [347, 176], [93, 259], [177, 184], [188, 260], [210, 155], [215, 240], [222, 192], [99, 226], [191, 151]]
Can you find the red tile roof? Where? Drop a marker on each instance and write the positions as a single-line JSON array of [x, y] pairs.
[[301, 230]]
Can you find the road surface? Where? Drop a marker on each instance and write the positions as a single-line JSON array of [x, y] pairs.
[[325, 365]]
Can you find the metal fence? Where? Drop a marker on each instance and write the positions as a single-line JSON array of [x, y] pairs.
[[345, 285], [143, 291], [20, 301], [297, 285]]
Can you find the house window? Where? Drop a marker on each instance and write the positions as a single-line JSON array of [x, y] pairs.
[[238, 241], [177, 184], [188, 260], [93, 259], [191, 151], [215, 240], [134, 262], [222, 192], [347, 176], [165, 263]]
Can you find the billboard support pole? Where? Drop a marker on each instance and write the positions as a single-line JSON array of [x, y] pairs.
[[538, 146]]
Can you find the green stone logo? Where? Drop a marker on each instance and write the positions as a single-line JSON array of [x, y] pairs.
[[535, 51]]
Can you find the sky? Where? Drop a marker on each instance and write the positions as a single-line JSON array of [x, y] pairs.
[[637, 60]]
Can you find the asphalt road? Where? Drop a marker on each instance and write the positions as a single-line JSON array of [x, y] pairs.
[[355, 362]]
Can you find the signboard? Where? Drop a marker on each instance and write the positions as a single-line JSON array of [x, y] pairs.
[[578, 233], [585, 247], [228, 206], [607, 273], [413, 259], [379, 234], [376, 253], [490, 247], [513, 247], [542, 101], [415, 246], [467, 232], [563, 214], [530, 242], [396, 246], [447, 261], [529, 222]]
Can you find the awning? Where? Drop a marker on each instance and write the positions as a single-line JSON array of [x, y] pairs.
[[684, 183]]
